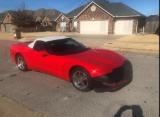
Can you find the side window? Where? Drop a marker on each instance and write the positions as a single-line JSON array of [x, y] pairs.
[[39, 46], [75, 24], [45, 23], [72, 43]]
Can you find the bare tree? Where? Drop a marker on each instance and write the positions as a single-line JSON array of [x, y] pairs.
[[23, 17]]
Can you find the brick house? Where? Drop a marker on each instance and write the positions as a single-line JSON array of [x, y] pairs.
[[6, 23], [103, 17], [8, 26], [45, 19], [63, 23], [2, 27]]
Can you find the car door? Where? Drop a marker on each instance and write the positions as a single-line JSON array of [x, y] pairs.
[[50, 64], [53, 64], [45, 62], [38, 56]]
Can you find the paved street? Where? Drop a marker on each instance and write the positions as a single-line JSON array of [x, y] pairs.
[[53, 97]]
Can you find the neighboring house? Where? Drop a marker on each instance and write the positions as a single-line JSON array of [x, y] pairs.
[[95, 17], [45, 18], [103, 17], [63, 23], [2, 27], [152, 24], [7, 25]]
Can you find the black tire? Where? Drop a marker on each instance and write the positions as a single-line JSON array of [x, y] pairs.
[[21, 63], [81, 79]]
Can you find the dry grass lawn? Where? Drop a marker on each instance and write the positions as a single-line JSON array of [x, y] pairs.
[[30, 36], [140, 38], [136, 42]]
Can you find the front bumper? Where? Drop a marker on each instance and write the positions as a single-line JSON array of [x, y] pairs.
[[118, 77]]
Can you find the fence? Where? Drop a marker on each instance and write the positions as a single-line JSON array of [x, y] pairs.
[[152, 27], [152, 24]]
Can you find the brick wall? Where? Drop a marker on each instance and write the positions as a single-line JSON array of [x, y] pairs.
[[7, 19], [46, 20], [97, 15], [59, 20], [38, 19]]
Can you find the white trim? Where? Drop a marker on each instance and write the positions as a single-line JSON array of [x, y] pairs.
[[60, 16], [128, 16], [96, 5]]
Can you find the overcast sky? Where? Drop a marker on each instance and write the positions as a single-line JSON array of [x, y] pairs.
[[146, 7]]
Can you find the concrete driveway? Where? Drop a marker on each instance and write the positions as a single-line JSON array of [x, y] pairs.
[[95, 40]]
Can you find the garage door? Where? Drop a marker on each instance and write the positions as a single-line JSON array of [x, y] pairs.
[[94, 27], [3, 29], [123, 27], [9, 27]]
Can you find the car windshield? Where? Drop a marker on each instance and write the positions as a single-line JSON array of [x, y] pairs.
[[65, 46]]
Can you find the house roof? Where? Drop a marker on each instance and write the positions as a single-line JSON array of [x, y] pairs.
[[62, 14], [114, 9], [119, 9], [11, 12], [152, 18], [76, 11], [2, 15], [52, 14]]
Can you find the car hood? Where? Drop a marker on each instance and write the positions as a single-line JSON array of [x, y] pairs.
[[100, 58]]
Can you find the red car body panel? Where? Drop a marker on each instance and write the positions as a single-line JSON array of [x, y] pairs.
[[96, 61]]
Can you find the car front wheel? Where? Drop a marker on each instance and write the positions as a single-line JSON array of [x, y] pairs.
[[81, 79], [21, 63]]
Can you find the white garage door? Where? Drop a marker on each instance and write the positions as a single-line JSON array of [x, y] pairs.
[[123, 27], [94, 27], [9, 27]]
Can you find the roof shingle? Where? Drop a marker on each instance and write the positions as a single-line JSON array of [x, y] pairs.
[[52, 14], [75, 12], [116, 9]]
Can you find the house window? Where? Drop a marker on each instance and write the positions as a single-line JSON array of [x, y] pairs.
[[93, 8], [75, 24], [63, 26], [45, 23]]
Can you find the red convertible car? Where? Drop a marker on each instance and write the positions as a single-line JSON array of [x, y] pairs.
[[70, 60]]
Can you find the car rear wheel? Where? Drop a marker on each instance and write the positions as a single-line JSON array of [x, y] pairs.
[[81, 79], [21, 64]]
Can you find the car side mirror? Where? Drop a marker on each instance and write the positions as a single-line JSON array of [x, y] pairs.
[[43, 53]]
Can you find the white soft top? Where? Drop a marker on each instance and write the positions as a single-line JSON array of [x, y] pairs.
[[46, 39]]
